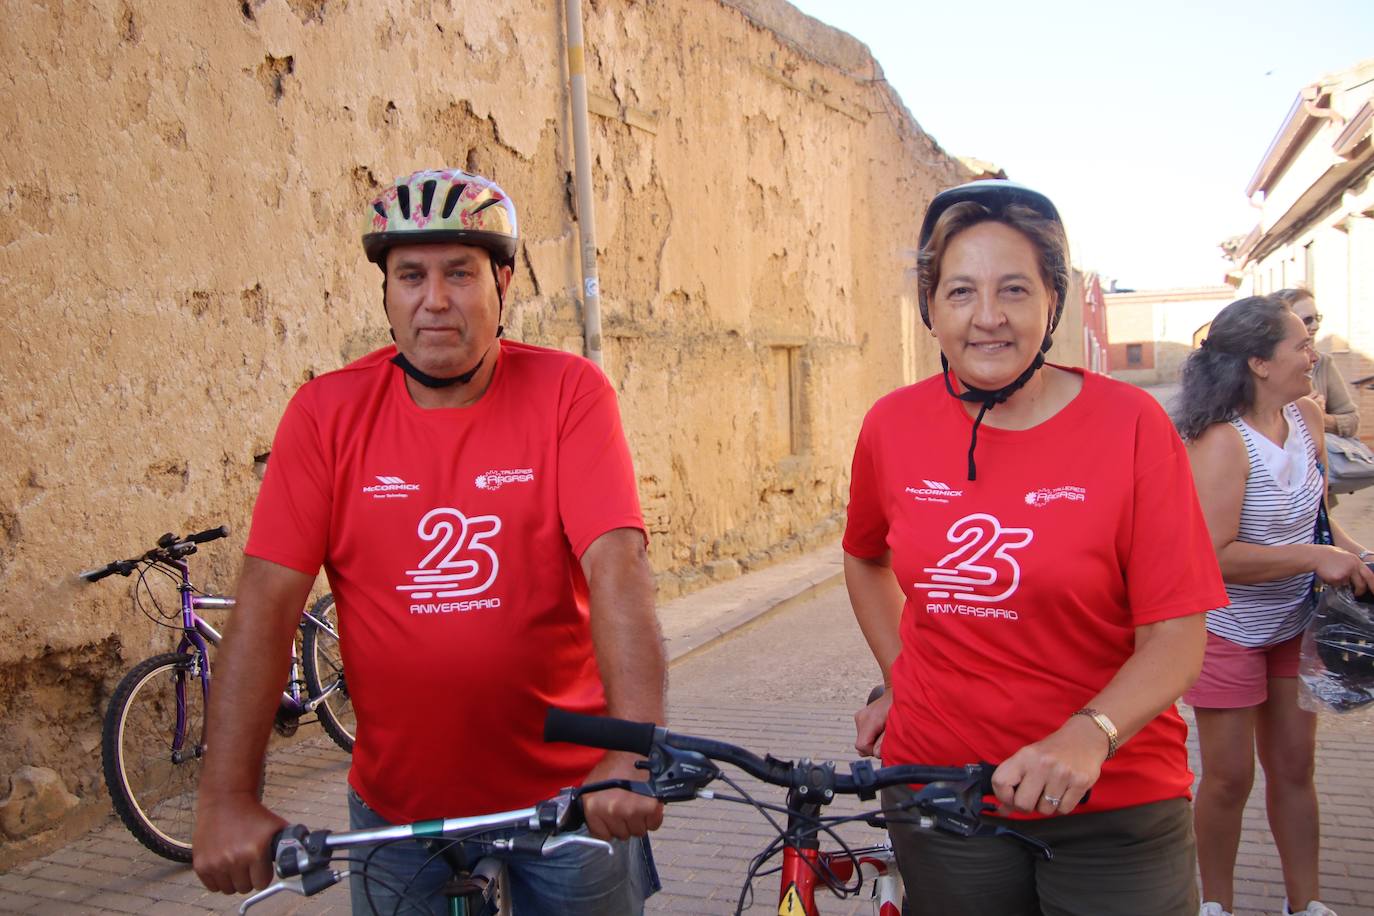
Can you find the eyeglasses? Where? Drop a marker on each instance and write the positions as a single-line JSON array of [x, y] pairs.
[[1313, 320]]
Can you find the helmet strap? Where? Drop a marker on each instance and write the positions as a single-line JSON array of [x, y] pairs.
[[989, 399], [434, 381], [500, 297]]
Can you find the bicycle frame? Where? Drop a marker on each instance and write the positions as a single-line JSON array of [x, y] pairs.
[[197, 635], [804, 866]]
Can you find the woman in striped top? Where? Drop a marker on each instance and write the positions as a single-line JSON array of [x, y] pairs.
[[1255, 441]]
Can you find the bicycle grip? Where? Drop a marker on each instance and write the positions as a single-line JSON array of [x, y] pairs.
[[599, 731], [209, 534], [95, 575]]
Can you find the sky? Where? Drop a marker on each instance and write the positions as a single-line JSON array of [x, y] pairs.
[[1143, 122]]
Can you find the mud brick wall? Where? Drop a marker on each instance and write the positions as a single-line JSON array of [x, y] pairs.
[[181, 191]]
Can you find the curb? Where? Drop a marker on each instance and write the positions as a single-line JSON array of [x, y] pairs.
[[697, 621]]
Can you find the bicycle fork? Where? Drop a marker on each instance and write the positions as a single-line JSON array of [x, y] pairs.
[[805, 866]]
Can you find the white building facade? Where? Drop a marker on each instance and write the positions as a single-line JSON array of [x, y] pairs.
[[1315, 196]]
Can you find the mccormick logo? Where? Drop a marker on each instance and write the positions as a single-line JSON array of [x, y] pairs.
[[391, 488], [934, 491], [495, 480], [1044, 497]]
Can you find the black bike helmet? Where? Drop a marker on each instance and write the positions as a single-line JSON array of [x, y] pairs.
[[995, 196]]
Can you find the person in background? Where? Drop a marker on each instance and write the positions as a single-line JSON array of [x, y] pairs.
[[1254, 438], [1027, 560], [1340, 414]]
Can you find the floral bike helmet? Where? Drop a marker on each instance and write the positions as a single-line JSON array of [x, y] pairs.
[[442, 205]]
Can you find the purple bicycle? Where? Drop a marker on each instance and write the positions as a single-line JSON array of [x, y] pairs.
[[154, 731]]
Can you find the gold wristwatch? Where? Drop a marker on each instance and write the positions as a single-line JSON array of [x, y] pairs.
[[1108, 727]]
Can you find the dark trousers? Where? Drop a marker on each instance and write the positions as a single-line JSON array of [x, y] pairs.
[[1138, 861]]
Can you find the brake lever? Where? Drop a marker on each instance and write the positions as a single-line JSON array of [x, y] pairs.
[[304, 885], [676, 774], [543, 844], [999, 830]]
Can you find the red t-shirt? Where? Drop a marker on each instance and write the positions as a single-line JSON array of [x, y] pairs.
[[1023, 588], [451, 539]]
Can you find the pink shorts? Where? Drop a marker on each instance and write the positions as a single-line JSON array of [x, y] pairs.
[[1235, 676]]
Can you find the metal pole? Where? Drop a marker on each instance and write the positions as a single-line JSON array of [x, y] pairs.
[[586, 216]]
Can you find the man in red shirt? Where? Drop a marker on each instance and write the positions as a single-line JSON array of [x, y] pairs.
[[473, 503]]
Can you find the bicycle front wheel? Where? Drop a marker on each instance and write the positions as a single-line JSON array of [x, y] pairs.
[[324, 672], [151, 747]]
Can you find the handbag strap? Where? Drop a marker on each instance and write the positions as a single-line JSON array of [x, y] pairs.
[[1322, 533]]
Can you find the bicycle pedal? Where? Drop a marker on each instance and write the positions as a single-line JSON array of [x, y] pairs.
[[285, 724]]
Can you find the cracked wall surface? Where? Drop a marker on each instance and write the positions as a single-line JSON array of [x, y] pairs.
[[181, 193]]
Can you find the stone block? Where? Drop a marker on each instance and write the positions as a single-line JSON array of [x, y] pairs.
[[37, 800]]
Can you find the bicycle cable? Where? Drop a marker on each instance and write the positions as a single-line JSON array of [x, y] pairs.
[[366, 869], [141, 585], [826, 876]]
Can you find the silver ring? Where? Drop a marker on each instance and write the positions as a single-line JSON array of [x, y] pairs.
[[1054, 799]]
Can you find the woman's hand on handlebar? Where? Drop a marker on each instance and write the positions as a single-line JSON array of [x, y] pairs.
[[617, 813], [870, 723], [229, 848], [1051, 775]]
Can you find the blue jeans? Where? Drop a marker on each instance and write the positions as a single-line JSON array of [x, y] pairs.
[[575, 881]]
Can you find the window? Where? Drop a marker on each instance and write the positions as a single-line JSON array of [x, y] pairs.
[[784, 379], [1135, 355]]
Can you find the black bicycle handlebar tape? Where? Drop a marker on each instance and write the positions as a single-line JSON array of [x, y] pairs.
[[209, 534], [95, 575], [599, 731]]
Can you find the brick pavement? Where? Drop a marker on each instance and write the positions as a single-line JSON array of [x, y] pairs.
[[704, 846]]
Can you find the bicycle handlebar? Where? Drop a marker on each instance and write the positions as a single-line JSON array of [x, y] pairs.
[[209, 534], [644, 737], [599, 731], [169, 547]]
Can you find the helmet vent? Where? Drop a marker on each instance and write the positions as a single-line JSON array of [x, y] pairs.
[[486, 203], [427, 196], [379, 208], [451, 201], [403, 198]]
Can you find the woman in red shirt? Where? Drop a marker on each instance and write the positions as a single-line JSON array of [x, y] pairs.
[[1027, 560]]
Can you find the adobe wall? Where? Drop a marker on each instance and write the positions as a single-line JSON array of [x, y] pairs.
[[180, 198]]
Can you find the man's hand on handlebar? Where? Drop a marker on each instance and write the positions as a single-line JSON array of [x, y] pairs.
[[617, 813], [229, 847]]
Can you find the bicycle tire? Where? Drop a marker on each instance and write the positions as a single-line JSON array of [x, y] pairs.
[[153, 794], [324, 667]]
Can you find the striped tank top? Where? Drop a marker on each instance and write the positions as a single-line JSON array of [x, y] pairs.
[[1270, 612]]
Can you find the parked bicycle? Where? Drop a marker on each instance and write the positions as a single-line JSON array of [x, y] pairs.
[[153, 737], [680, 768]]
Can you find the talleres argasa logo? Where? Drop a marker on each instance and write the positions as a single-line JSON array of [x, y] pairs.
[[460, 566], [495, 480], [980, 573], [1046, 495]]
